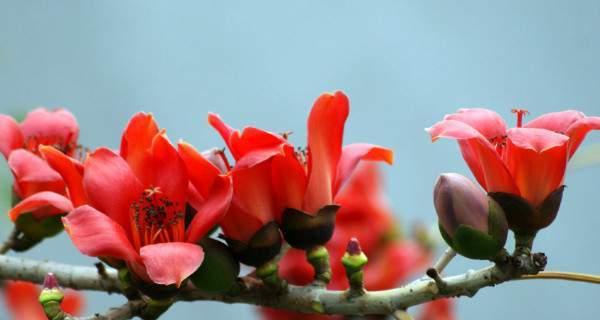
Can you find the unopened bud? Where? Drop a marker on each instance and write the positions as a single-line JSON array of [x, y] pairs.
[[51, 297], [470, 222]]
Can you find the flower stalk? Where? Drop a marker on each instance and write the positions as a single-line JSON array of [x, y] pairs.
[[318, 257]]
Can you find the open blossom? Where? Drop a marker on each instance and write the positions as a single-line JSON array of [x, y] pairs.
[[528, 161], [20, 144], [23, 304], [136, 204], [391, 261]]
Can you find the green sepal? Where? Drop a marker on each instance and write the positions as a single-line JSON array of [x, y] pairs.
[[35, 230], [475, 244], [48, 295], [354, 262], [219, 270]]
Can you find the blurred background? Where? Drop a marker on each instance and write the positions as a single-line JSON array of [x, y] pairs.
[[403, 64]]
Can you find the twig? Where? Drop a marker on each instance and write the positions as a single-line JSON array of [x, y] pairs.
[[80, 278], [444, 260], [559, 275], [126, 311]]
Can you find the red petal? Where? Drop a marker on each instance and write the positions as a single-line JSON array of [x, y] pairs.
[[32, 174], [10, 135], [167, 170], [212, 211], [110, 185], [537, 159], [325, 134], [42, 205], [96, 235], [59, 125], [579, 130], [171, 262], [137, 140], [289, 182], [22, 301], [252, 191], [478, 152], [487, 122], [556, 121], [263, 143], [352, 154], [73, 303], [202, 173], [239, 224], [71, 171]]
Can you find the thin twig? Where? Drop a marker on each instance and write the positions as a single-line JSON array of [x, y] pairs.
[[559, 275], [444, 260]]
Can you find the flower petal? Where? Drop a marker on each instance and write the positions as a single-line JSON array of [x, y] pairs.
[[137, 140], [537, 159], [253, 193], [171, 262], [239, 224], [55, 127], [71, 171], [212, 211], [32, 174], [289, 182], [325, 134], [202, 173], [10, 135], [96, 235], [260, 143], [73, 303], [481, 157], [578, 130], [42, 205], [352, 154], [110, 185], [487, 122], [167, 170], [22, 300]]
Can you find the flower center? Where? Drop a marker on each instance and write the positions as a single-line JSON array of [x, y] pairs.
[[156, 219], [521, 113]]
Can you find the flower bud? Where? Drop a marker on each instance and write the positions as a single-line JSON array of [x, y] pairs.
[[51, 297], [219, 270], [473, 224]]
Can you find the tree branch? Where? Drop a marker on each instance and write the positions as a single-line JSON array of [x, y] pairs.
[[126, 311], [80, 278]]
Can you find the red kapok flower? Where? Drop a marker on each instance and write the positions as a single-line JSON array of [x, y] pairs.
[[249, 225], [528, 161], [137, 203], [23, 304], [441, 309]]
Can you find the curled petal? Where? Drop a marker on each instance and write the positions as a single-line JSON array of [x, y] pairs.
[[96, 235], [42, 205], [537, 159], [10, 135], [487, 122], [212, 211], [71, 171], [137, 140], [579, 130], [167, 171], [110, 185], [171, 262], [325, 133], [352, 154], [478, 152], [559, 122], [202, 173], [32, 174]]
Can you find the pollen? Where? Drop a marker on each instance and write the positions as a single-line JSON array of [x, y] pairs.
[[156, 218]]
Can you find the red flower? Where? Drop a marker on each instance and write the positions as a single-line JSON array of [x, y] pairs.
[[253, 204], [22, 301], [391, 261], [137, 205], [441, 309], [312, 180], [528, 161]]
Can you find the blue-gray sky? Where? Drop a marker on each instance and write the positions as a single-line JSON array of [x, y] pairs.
[[404, 64]]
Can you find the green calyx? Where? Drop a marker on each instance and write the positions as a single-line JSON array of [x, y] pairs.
[[219, 270], [317, 253], [354, 262], [50, 300], [50, 295]]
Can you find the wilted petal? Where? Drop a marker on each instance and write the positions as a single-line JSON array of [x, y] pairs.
[[10, 135], [325, 133], [171, 262], [42, 205], [96, 235]]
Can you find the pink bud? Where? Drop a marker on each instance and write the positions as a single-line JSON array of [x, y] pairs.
[[50, 281], [353, 248]]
